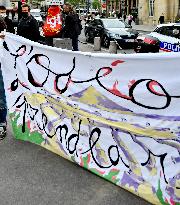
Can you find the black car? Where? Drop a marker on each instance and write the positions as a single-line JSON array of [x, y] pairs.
[[109, 30]]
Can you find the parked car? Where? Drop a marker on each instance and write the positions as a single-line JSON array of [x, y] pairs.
[[36, 13], [110, 29], [166, 38]]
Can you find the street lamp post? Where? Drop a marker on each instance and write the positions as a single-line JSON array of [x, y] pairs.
[[107, 8], [87, 6], [19, 10]]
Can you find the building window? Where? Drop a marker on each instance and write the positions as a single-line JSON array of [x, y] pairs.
[[151, 7]]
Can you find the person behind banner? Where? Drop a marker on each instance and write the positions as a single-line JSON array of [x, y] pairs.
[[3, 107], [9, 23], [72, 25], [28, 26]]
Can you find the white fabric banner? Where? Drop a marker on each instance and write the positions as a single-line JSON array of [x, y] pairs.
[[116, 115]]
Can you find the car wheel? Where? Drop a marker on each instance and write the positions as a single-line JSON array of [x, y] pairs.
[[87, 37], [106, 42], [138, 46], [138, 49]]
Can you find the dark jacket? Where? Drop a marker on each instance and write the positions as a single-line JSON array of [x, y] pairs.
[[2, 24], [10, 26], [28, 28], [71, 27]]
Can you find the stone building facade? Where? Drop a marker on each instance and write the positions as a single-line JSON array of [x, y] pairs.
[[150, 10]]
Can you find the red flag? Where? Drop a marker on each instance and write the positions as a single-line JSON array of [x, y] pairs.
[[53, 24]]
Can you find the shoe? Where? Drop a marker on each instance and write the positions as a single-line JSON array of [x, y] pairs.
[[2, 132]]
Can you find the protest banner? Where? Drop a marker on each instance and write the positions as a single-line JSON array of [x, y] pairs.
[[116, 115]]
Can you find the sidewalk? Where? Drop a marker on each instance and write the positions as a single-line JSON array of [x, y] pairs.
[[87, 47]]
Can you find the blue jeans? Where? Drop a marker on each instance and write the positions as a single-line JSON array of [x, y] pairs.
[[3, 108]]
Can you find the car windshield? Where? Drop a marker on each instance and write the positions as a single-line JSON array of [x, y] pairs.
[[36, 14], [114, 23]]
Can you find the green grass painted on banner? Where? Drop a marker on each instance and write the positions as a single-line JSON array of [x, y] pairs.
[[159, 195], [34, 137]]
